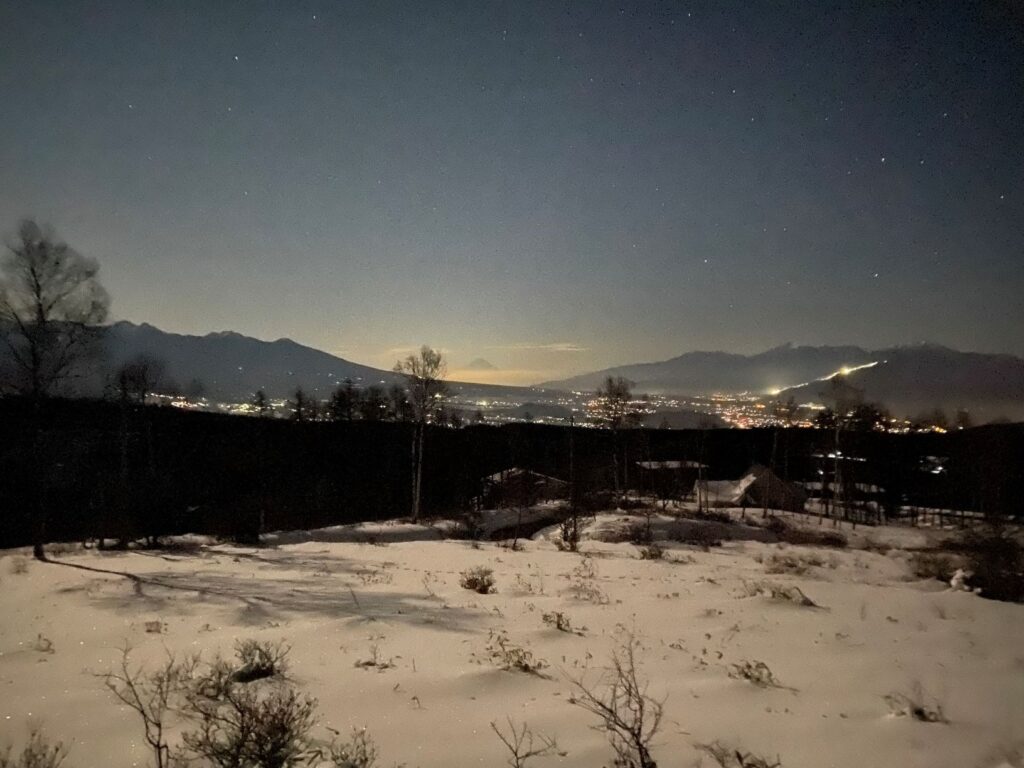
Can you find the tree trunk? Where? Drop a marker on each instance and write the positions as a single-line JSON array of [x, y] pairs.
[[418, 473]]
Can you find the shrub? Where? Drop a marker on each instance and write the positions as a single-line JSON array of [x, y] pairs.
[[926, 565], [569, 534], [479, 579], [521, 744], [802, 536], [711, 516], [37, 753], [651, 552], [629, 717], [244, 726], [699, 536], [18, 566], [996, 561], [153, 696], [259, 659], [358, 752], [639, 533]]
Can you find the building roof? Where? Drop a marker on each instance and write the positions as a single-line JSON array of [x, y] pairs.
[[671, 465]]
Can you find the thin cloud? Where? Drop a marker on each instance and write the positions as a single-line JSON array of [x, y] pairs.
[[558, 346]]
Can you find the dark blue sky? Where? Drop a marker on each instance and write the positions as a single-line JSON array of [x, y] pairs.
[[554, 187]]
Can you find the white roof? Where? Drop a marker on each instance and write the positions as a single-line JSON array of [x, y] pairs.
[[670, 464], [729, 491]]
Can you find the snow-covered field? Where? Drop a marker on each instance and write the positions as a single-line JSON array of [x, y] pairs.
[[337, 602]]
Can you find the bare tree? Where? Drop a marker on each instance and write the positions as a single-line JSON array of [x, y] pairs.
[[261, 403], [344, 402], [373, 405], [424, 374], [300, 406], [51, 304], [138, 378], [616, 413]]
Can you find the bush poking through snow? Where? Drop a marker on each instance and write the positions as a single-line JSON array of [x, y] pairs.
[[512, 657], [561, 622], [259, 659], [569, 534], [783, 592], [523, 745], [248, 726], [792, 534], [376, 661], [916, 706], [358, 752], [581, 584], [153, 696], [651, 552], [926, 565], [699, 536], [756, 672], [729, 757], [629, 717], [479, 579], [997, 562], [37, 753], [795, 564]]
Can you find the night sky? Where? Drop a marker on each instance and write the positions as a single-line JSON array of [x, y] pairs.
[[554, 187]]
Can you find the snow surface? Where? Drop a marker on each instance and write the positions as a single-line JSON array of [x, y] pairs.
[[877, 631]]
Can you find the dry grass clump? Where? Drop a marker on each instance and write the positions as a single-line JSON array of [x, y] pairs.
[[37, 753], [730, 757], [479, 579], [376, 661], [782, 592], [18, 566], [523, 745], [915, 705], [581, 583], [558, 620], [756, 672], [793, 563], [513, 658]]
